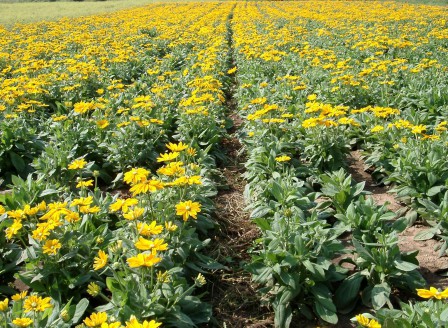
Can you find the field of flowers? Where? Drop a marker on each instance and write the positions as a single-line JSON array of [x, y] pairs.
[[111, 142]]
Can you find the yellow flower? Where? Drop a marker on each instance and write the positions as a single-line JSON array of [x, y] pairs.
[[156, 244], [72, 217], [77, 164], [100, 261], [102, 124], [167, 156], [283, 158], [4, 305], [51, 246], [111, 325], [418, 129], [36, 303], [142, 259], [177, 147], [187, 209], [432, 292], [13, 229], [377, 128], [170, 226], [163, 276], [96, 319], [232, 70], [191, 151], [362, 320], [366, 322], [312, 97], [123, 204], [82, 201], [41, 232], [2, 210], [93, 289], [22, 322], [83, 107], [19, 296], [84, 184], [145, 186], [133, 323], [135, 175], [200, 280], [134, 214], [145, 229]]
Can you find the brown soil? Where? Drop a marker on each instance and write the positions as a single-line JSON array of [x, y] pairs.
[[380, 194]]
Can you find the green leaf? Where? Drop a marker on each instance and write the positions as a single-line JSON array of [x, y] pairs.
[[348, 292], [260, 212], [17, 161], [325, 314], [262, 223], [79, 310], [380, 295], [425, 234], [444, 315], [405, 266], [47, 192], [283, 315], [435, 190], [276, 191]]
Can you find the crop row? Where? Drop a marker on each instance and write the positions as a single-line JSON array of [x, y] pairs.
[[109, 126], [316, 80]]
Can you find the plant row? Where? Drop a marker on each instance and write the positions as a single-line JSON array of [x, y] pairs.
[[315, 81], [110, 132]]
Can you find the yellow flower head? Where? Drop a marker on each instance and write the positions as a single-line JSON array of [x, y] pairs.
[[177, 147], [133, 323], [102, 124], [93, 289], [143, 259], [232, 70], [84, 184], [13, 229], [366, 322], [4, 305], [166, 157], [22, 322], [135, 175], [96, 319], [170, 226], [134, 214], [156, 244], [283, 158], [187, 209], [153, 228], [19, 296], [51, 246], [100, 261], [432, 292], [145, 186], [36, 303], [377, 128], [77, 164], [123, 204]]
